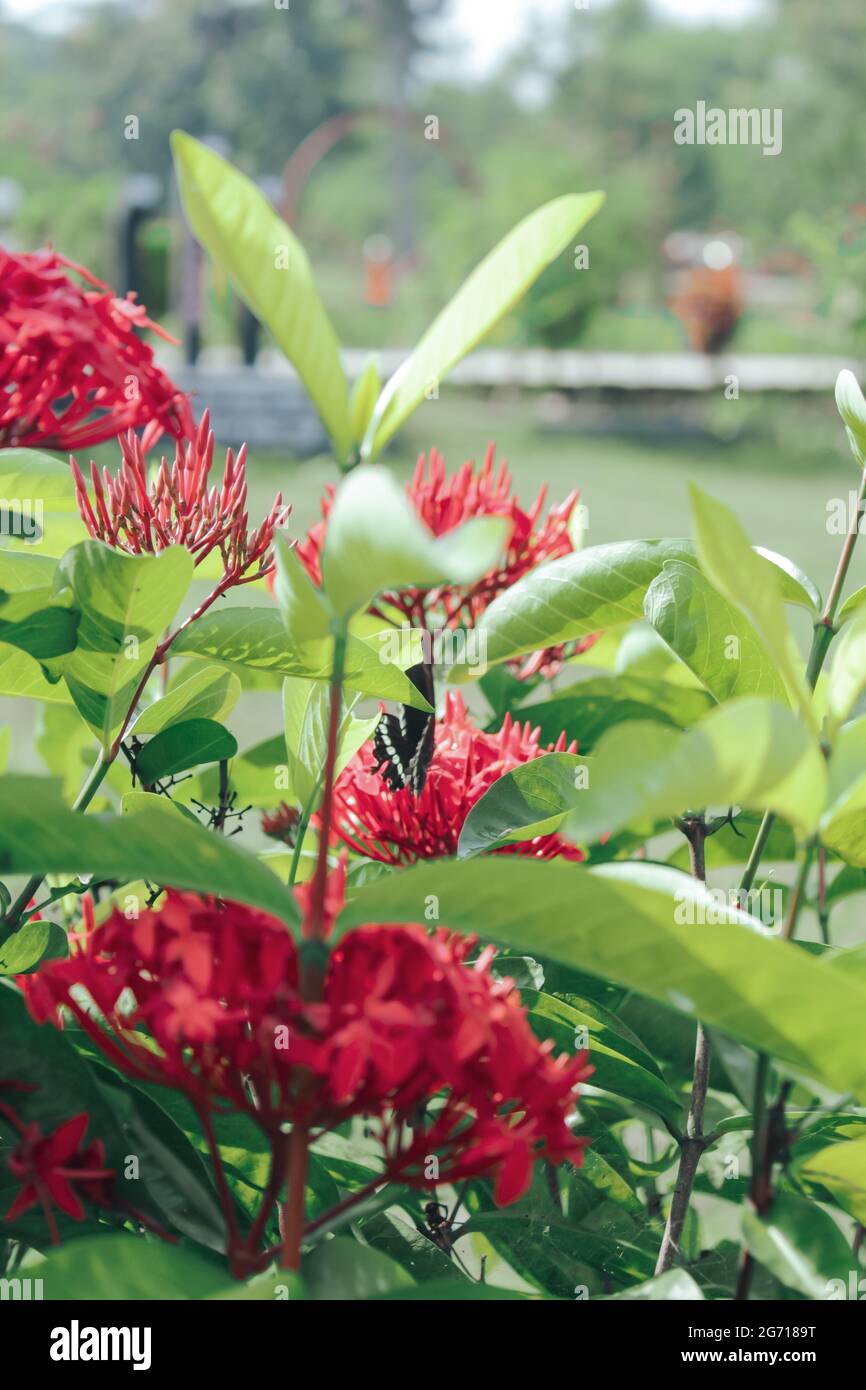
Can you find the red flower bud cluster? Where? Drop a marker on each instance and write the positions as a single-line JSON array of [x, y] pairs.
[[179, 507], [204, 996], [398, 827], [73, 371]]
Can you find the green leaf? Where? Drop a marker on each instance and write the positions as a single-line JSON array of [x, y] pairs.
[[302, 606], [257, 638], [841, 1168], [271, 272], [107, 1268], [39, 834], [800, 1244], [375, 542], [39, 622], [181, 746], [32, 943], [205, 694], [852, 605], [602, 587], [752, 752], [65, 745], [21, 570], [363, 399], [306, 713], [848, 674], [589, 708], [618, 1066], [795, 585], [675, 1286], [342, 1270], [852, 408], [748, 582], [26, 473], [627, 923], [843, 825], [22, 677], [710, 635], [501, 279], [126, 601]]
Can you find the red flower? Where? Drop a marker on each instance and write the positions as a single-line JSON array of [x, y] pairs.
[[406, 1033], [282, 824], [443, 503], [73, 371], [49, 1166], [398, 827], [179, 507]]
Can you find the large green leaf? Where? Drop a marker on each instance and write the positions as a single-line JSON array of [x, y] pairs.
[[271, 272], [500, 280], [752, 752], [199, 694], [32, 943], [341, 1269], [107, 1268], [39, 834], [602, 587], [590, 707], [848, 674], [257, 638], [622, 923], [748, 582], [375, 542], [126, 601], [843, 824], [675, 1286], [714, 639]]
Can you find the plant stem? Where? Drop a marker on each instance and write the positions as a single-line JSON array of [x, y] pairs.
[[312, 970], [693, 1142]]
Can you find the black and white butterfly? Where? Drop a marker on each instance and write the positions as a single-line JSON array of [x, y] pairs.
[[403, 742]]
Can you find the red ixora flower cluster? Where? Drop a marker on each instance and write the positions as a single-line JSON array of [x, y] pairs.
[[398, 827], [73, 370], [53, 1169], [443, 503], [179, 507], [204, 996]]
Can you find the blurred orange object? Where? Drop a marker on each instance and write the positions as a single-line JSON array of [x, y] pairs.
[[709, 304]]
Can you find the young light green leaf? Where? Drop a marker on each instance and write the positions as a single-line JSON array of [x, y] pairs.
[[39, 622], [841, 1168], [495, 285], [301, 604], [271, 272], [852, 408], [375, 542], [363, 399], [748, 582]]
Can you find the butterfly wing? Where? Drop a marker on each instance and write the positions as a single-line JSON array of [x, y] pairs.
[[403, 742]]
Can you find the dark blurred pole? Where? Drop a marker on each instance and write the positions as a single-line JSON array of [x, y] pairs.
[[140, 198]]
